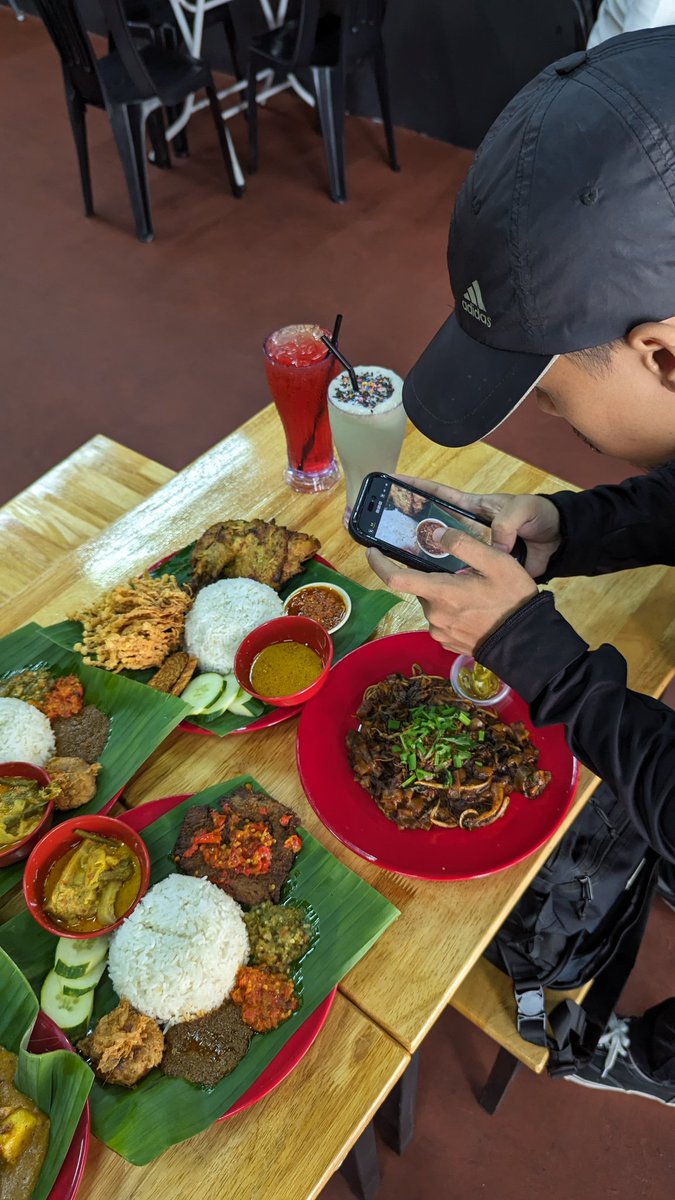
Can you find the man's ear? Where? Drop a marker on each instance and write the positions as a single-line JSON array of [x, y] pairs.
[[654, 341]]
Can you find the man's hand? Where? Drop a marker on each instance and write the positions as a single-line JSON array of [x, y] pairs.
[[533, 518], [463, 609]]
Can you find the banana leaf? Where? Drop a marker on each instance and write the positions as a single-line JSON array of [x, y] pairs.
[[140, 717], [368, 608], [58, 1082], [349, 916]]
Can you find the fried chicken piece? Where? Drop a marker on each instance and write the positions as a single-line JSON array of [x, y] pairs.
[[174, 674], [124, 1047], [76, 779], [260, 550]]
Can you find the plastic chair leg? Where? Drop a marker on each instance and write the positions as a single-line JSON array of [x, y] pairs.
[[78, 123], [330, 101], [128, 124], [168, 39], [158, 140], [237, 189], [382, 82], [252, 117]]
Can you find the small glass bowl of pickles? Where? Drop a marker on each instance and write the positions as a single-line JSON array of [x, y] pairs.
[[474, 682]]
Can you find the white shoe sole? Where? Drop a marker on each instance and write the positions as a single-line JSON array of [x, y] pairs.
[[608, 1087]]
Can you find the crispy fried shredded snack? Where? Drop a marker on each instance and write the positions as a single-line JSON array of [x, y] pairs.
[[134, 625]]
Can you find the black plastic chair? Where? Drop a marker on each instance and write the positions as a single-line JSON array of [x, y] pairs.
[[330, 46], [132, 85]]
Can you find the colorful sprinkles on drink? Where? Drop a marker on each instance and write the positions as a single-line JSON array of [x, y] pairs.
[[373, 389]]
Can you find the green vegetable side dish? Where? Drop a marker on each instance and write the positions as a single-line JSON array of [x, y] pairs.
[[278, 934], [437, 737]]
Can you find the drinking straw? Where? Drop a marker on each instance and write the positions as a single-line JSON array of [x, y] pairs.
[[345, 362], [336, 329]]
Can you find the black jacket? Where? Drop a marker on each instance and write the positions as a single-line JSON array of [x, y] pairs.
[[624, 737]]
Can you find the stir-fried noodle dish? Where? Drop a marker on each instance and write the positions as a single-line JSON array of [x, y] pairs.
[[429, 758]]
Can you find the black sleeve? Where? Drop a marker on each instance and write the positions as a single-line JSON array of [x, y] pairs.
[[612, 528], [624, 737]]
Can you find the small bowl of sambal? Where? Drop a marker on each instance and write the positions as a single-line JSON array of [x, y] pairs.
[[326, 603], [285, 661], [85, 876]]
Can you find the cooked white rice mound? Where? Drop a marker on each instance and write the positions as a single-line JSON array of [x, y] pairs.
[[25, 733], [177, 955], [222, 615]]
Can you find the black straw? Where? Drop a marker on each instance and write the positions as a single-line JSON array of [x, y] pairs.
[[346, 364], [336, 329]]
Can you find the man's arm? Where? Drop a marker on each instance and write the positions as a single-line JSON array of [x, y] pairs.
[[624, 737], [612, 528]]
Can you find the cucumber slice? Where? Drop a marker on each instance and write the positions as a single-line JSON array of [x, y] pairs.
[[68, 1012], [225, 698], [238, 705], [76, 958], [202, 691], [85, 983]]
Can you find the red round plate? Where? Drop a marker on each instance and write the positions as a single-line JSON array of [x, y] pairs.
[[275, 717], [47, 1036], [296, 1047], [349, 812]]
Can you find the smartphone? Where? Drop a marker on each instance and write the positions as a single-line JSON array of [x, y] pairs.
[[400, 521]]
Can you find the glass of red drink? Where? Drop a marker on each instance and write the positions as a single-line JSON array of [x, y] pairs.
[[299, 369]]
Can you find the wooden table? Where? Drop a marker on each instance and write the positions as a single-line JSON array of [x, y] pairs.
[[408, 977]]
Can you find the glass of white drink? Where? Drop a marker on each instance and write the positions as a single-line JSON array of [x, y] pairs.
[[368, 428]]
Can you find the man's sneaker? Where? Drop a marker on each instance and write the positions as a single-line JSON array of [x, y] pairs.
[[613, 1068]]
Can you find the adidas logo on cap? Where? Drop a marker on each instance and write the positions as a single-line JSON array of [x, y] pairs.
[[472, 303]]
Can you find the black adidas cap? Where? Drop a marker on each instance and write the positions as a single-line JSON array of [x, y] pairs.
[[563, 235]]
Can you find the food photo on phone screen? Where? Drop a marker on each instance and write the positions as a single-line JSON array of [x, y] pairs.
[[413, 522]]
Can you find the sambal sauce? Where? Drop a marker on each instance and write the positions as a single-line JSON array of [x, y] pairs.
[[323, 604]]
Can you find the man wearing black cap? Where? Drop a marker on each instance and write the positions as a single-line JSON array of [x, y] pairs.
[[562, 264]]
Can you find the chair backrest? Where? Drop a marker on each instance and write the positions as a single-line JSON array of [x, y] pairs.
[[65, 28], [119, 31]]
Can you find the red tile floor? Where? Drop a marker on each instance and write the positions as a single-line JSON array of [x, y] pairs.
[[159, 346]]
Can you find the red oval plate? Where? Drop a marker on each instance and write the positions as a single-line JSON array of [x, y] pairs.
[[47, 1036], [349, 812], [296, 1047], [275, 717]]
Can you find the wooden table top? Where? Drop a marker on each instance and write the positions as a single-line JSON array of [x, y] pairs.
[[90, 489], [410, 974]]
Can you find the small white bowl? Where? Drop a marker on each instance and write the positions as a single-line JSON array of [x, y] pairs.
[[344, 596], [466, 660]]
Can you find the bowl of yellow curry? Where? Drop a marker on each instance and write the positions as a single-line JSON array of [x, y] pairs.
[[26, 809], [85, 876], [284, 661]]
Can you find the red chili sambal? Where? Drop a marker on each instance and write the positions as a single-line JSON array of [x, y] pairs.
[[266, 998], [248, 851], [322, 603]]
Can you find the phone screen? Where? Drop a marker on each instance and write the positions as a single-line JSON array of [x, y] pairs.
[[405, 519]]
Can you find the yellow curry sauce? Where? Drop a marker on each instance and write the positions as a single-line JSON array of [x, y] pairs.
[[24, 1135], [92, 885], [285, 668]]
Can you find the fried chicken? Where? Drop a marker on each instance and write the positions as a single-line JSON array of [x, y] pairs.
[[124, 1047], [260, 550], [76, 779]]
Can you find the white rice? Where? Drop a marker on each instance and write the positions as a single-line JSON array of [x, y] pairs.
[[178, 954], [25, 733], [221, 617]]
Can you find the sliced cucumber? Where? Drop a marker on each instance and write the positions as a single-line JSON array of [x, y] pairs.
[[202, 691], [85, 983], [238, 705], [70, 1013], [75, 958], [225, 698]]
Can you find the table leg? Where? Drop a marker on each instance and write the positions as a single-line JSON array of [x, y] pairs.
[[505, 1068], [361, 1168], [395, 1119]]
